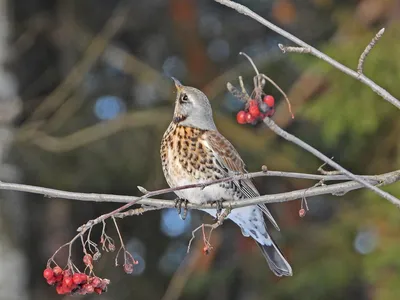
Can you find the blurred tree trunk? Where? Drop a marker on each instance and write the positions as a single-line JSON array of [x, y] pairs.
[[13, 277]]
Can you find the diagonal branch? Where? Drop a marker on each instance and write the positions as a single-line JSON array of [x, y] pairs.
[[361, 77], [291, 138]]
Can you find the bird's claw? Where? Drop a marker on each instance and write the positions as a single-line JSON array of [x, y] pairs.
[[178, 206], [218, 203]]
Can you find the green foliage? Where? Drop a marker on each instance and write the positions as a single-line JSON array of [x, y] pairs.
[[350, 107]]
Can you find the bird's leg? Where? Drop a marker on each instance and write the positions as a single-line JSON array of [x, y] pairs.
[[178, 206], [218, 203], [185, 210]]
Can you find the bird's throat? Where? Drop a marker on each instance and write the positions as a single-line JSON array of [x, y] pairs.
[[179, 118]]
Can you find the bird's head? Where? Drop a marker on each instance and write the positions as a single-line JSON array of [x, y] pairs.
[[192, 108]]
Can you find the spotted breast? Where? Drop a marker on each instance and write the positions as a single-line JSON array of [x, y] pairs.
[[187, 159]]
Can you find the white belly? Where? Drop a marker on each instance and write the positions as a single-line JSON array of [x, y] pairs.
[[199, 196]]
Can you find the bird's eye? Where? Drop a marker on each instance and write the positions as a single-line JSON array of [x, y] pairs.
[[184, 98]]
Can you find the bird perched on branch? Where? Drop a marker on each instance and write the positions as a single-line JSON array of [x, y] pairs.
[[193, 151]]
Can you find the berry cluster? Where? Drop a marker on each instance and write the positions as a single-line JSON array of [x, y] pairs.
[[67, 282], [256, 111]]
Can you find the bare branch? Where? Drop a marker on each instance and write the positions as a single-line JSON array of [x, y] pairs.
[[291, 138], [368, 50], [383, 179], [376, 88], [294, 49]]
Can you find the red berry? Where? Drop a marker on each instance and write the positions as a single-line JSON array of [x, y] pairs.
[[67, 281], [269, 100], [249, 118], [87, 260], [253, 103], [98, 291], [96, 282], [254, 111], [104, 283], [302, 212], [76, 278], [206, 250], [48, 273], [241, 117], [57, 271], [111, 247], [59, 278], [67, 289], [128, 268], [83, 277], [88, 288], [51, 281], [60, 290]]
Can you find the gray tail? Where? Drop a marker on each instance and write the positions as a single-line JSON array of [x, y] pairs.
[[277, 263]]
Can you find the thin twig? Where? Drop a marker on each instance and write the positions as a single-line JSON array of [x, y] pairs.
[[376, 88], [324, 172], [281, 91], [294, 49], [135, 212], [368, 50], [246, 95], [212, 227]]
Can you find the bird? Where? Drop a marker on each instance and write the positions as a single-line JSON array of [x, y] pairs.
[[193, 151]]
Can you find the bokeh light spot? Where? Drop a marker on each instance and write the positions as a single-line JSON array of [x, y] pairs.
[[366, 241], [210, 25], [218, 50], [172, 257], [108, 107], [174, 66], [172, 225], [141, 266]]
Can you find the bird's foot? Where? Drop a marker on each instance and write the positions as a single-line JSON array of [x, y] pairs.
[[178, 206], [218, 203]]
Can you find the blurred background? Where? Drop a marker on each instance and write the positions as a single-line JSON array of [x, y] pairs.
[[86, 95]]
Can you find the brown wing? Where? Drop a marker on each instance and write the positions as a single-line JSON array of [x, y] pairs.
[[231, 163]]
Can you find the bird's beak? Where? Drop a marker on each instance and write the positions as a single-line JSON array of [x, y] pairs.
[[178, 85]]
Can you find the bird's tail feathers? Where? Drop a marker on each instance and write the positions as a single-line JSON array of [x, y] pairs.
[[277, 263]]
